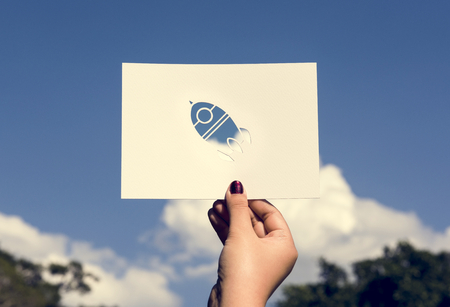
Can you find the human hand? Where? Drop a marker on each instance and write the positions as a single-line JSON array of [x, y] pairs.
[[258, 252]]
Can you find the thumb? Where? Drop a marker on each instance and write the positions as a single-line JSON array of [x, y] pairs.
[[237, 205]]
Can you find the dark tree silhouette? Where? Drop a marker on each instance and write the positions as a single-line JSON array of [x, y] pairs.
[[402, 277], [22, 285]]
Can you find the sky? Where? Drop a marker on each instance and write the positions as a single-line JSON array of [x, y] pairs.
[[383, 96]]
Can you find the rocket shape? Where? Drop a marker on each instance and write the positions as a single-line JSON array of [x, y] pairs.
[[215, 126]]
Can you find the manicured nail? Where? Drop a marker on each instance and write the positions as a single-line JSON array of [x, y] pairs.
[[236, 187]]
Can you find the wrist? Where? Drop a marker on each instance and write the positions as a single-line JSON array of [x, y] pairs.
[[240, 295]]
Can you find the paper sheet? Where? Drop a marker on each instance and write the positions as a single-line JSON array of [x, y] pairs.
[[190, 130]]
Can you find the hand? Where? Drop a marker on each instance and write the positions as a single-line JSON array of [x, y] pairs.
[[258, 253]]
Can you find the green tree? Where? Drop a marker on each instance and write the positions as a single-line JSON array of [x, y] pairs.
[[21, 283], [333, 290], [402, 277]]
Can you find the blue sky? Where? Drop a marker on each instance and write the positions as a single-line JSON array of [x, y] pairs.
[[383, 75]]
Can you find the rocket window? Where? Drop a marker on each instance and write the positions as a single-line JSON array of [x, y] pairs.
[[204, 115]]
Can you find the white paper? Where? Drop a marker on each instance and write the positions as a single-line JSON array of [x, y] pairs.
[[256, 123]]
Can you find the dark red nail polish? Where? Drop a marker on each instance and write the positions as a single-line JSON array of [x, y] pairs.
[[236, 187]]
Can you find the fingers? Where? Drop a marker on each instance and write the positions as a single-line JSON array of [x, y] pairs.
[[219, 219], [220, 208], [270, 216], [237, 205], [257, 224], [238, 215]]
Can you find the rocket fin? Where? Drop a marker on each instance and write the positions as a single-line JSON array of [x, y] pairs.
[[234, 145], [224, 156]]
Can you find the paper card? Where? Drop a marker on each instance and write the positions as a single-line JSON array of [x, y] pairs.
[[188, 131]]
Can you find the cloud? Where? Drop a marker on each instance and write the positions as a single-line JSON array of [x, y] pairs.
[[137, 288], [345, 228], [120, 283], [339, 226], [188, 220], [25, 240]]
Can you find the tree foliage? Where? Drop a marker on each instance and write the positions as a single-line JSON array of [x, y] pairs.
[[22, 285], [401, 277]]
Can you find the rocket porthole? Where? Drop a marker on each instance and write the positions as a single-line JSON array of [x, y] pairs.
[[204, 115]]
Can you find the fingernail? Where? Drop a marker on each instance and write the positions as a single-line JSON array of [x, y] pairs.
[[236, 187]]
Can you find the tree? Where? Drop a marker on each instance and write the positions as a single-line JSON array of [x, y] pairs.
[[401, 277], [404, 276], [22, 285], [77, 276], [333, 290]]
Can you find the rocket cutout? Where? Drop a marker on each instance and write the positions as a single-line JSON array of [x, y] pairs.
[[215, 126]]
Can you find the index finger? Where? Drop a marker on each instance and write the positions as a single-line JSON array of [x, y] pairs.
[[271, 217]]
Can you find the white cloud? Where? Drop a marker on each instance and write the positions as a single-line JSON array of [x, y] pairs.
[[137, 288], [345, 228], [120, 283], [201, 270], [25, 240], [188, 220], [339, 226]]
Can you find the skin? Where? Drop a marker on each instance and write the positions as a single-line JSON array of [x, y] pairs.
[[258, 252]]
